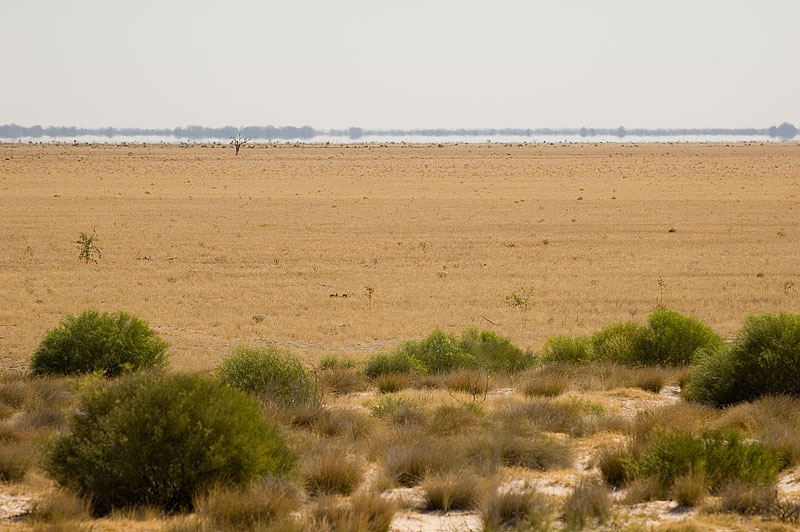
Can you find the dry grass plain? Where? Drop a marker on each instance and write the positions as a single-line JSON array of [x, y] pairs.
[[197, 241]]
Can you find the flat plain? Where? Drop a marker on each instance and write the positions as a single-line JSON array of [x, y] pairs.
[[204, 244]]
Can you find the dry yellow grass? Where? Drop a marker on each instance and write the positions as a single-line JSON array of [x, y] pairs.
[[197, 241]]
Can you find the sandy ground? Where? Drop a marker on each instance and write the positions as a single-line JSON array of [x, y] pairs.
[[215, 250]]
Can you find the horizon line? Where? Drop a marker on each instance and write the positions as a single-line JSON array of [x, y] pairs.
[[784, 131]]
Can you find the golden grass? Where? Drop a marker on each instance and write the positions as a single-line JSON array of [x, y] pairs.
[[198, 242]]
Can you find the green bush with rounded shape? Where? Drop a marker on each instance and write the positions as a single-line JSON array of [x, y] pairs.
[[440, 353], [270, 373], [111, 343], [159, 440], [495, 352], [763, 359], [397, 362], [618, 342], [564, 348], [672, 339]]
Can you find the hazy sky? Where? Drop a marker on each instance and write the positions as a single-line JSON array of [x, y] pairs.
[[406, 64]]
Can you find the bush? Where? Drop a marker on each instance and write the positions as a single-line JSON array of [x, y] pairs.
[[335, 362], [763, 359], [397, 362], [672, 339], [92, 342], [272, 374], [494, 352], [618, 342], [563, 348], [720, 456], [440, 353], [160, 440]]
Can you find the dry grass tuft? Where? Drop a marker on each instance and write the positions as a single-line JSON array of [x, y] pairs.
[[330, 422], [14, 393], [61, 506], [650, 380], [452, 418], [452, 491], [748, 499], [644, 489], [514, 510], [611, 461], [15, 460], [341, 380], [504, 447], [547, 415], [774, 420], [407, 463], [331, 471], [545, 387], [393, 382], [365, 512], [690, 490], [473, 382], [684, 417], [261, 503], [588, 501]]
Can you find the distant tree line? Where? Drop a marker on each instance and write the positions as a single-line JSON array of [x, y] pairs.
[[784, 131]]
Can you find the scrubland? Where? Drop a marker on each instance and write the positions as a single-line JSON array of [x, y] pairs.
[[311, 279]]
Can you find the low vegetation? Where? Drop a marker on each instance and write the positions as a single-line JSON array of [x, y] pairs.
[[271, 374], [763, 359], [265, 443], [161, 440], [109, 343]]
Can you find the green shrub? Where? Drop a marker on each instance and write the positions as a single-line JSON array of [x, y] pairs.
[[397, 362], [494, 352], [563, 348], [160, 440], [672, 339], [763, 359], [272, 374], [618, 342], [92, 342], [440, 353], [720, 456]]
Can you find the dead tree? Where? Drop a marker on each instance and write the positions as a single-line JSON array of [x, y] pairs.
[[238, 141]]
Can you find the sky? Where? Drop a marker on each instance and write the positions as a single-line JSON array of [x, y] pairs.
[[407, 64]]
